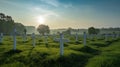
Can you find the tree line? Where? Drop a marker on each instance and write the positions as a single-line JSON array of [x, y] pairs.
[[7, 25]]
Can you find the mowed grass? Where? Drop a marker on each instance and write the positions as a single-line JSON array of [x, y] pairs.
[[97, 53]]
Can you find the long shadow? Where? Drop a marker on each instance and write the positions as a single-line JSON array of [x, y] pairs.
[[107, 43], [5, 56], [73, 60], [30, 52]]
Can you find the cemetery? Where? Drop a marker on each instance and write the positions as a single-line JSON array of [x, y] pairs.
[[61, 51], [59, 33]]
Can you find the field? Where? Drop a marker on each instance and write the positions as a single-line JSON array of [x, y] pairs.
[[97, 53]]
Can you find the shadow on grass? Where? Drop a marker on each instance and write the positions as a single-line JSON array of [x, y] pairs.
[[90, 50], [1, 43], [78, 42], [11, 52], [5, 56], [72, 60], [30, 52]]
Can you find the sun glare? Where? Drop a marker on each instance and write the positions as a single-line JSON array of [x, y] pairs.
[[41, 20]]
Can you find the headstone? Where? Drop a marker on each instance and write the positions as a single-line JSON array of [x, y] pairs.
[[33, 39], [85, 37], [1, 37], [14, 39], [61, 40], [25, 35], [76, 36]]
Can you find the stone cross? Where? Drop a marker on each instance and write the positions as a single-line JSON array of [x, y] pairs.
[[61, 40], [76, 36], [33, 39], [85, 36], [14, 39], [1, 37]]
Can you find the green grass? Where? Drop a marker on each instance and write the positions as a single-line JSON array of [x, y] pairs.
[[97, 53]]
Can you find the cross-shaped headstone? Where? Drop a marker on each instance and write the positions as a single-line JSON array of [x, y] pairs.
[[1, 37], [85, 37], [61, 40], [33, 39], [14, 39]]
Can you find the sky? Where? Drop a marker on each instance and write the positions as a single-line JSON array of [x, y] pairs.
[[64, 13]]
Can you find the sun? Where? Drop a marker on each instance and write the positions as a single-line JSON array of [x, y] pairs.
[[41, 20]]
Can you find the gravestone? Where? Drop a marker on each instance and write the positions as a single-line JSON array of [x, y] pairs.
[[14, 39], [25, 35], [85, 37], [61, 40], [33, 39], [1, 37], [76, 36]]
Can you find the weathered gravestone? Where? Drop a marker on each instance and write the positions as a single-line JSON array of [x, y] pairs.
[[61, 40], [1, 37], [85, 37], [33, 39]]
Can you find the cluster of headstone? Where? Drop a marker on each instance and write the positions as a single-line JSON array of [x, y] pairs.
[[61, 39]]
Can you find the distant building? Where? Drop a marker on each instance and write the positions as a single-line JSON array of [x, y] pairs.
[[30, 29]]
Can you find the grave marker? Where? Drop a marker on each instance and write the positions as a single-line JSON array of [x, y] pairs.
[[61, 40], [1, 37], [85, 36], [25, 35], [33, 39], [76, 37]]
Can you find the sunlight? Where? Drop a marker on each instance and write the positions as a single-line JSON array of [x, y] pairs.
[[41, 20]]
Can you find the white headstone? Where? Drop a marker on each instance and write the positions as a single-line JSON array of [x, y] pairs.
[[33, 39], [14, 39], [1, 37], [85, 36], [61, 40]]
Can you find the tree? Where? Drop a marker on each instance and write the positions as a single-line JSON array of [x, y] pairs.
[[43, 29], [92, 30], [68, 31], [20, 28]]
